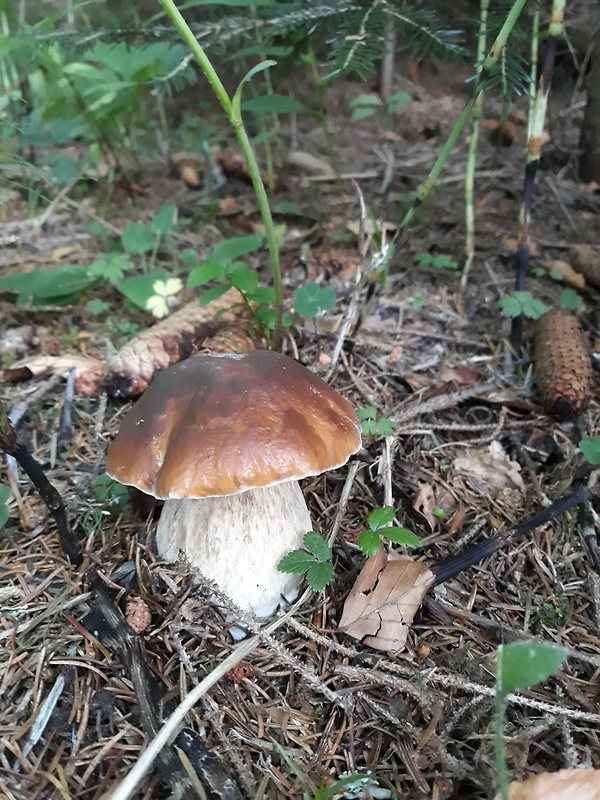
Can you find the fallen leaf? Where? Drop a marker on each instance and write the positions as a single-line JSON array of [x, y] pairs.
[[425, 502], [463, 376], [384, 600], [228, 206], [566, 784], [489, 470], [88, 371]]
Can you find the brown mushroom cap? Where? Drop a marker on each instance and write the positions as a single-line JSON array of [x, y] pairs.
[[223, 423]]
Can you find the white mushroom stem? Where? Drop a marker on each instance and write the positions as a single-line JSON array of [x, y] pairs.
[[238, 540]]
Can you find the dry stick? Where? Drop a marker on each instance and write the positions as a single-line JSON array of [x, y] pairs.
[[361, 276], [10, 444], [455, 565]]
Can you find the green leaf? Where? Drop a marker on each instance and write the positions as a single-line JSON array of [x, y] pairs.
[[380, 517], [369, 542], [4, 495], [319, 574], [205, 273], [296, 562], [287, 208], [590, 447], [137, 238], [237, 97], [273, 104], [509, 306], [213, 294], [310, 298], [53, 285], [524, 664], [401, 536], [230, 249], [140, 288], [368, 412], [164, 220], [384, 426], [397, 100], [264, 294], [570, 299], [362, 112], [317, 545], [243, 278], [112, 267], [97, 306]]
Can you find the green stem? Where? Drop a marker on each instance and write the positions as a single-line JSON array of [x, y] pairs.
[[246, 148]]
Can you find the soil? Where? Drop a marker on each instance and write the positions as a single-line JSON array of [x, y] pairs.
[[309, 703]]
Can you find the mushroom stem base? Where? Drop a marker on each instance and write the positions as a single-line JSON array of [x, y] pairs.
[[238, 540]]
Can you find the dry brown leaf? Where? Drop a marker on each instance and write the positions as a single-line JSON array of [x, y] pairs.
[[489, 470], [384, 600], [463, 376], [88, 371], [566, 784], [395, 355], [185, 167], [425, 502], [512, 244]]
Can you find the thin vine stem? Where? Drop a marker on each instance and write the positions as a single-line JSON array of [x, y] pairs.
[[237, 123]]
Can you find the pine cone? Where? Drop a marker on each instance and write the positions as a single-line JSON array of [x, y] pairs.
[[562, 365]]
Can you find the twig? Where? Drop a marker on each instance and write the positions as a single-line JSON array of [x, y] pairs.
[[453, 566], [10, 444]]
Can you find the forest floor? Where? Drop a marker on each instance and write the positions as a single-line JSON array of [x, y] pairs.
[[473, 453]]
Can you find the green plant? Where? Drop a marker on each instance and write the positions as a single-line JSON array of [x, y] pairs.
[[371, 426], [590, 447], [4, 495], [570, 299], [311, 298], [437, 260], [100, 99], [352, 785], [365, 105], [369, 540], [523, 303], [314, 561], [519, 666], [113, 495]]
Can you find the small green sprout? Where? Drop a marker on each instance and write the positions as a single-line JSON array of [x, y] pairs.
[[524, 303], [314, 561], [369, 540], [437, 260], [371, 425], [570, 299]]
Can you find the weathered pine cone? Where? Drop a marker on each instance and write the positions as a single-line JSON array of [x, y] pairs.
[[562, 365]]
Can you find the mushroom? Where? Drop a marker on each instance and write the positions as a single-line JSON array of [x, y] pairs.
[[224, 440]]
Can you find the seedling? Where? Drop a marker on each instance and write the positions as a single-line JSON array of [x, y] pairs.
[[371, 426], [368, 104], [523, 303], [437, 260], [370, 540], [314, 560], [112, 494], [4, 495], [311, 298], [520, 665]]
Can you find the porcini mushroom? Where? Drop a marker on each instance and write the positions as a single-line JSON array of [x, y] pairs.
[[224, 440]]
